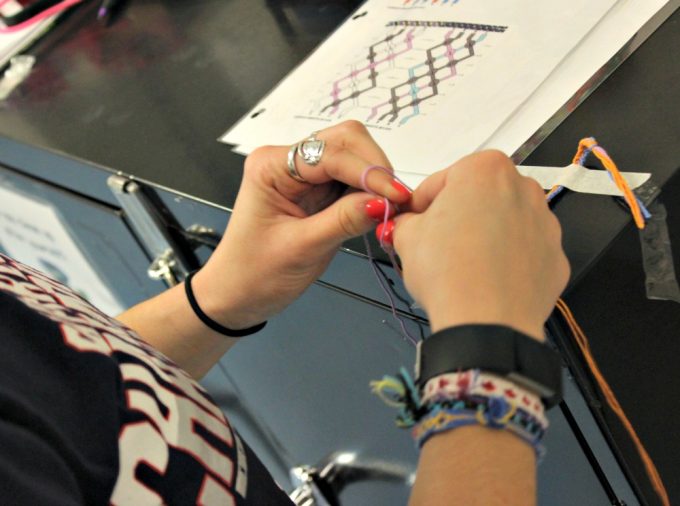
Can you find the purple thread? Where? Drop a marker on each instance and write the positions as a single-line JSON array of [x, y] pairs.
[[393, 306], [364, 175], [551, 195], [587, 151], [386, 248]]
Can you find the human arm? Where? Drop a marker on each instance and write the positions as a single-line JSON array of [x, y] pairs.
[[280, 238], [480, 246]]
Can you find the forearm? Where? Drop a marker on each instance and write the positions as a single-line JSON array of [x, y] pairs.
[[475, 466]]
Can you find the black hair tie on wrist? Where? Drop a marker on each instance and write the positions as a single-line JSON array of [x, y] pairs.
[[212, 323]]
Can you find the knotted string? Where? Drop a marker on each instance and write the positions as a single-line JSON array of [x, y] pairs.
[[585, 148], [639, 212]]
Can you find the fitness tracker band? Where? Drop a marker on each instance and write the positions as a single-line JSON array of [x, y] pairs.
[[495, 349]]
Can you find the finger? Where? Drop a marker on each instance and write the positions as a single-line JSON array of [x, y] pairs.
[[336, 164], [482, 169], [344, 219], [341, 164], [384, 233], [354, 136], [426, 192]]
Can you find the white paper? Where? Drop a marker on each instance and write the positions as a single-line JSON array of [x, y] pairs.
[[32, 233], [14, 42], [612, 33], [486, 59], [434, 141]]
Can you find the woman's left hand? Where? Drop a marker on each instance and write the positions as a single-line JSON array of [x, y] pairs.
[[283, 233]]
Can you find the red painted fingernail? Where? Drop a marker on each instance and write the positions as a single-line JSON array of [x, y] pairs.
[[384, 232], [401, 188], [375, 209]]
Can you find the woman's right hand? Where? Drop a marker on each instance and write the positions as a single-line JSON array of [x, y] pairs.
[[480, 245]]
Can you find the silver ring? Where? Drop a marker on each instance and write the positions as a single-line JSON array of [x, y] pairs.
[[311, 149], [292, 169]]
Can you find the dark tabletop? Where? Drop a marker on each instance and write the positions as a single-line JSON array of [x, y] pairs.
[[150, 95]]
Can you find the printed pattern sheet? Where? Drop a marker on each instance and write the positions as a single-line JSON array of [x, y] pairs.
[[434, 80]]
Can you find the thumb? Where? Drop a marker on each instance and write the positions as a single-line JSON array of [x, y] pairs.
[[403, 230], [427, 192], [344, 219]]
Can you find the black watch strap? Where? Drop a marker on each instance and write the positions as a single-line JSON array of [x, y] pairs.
[[495, 349]]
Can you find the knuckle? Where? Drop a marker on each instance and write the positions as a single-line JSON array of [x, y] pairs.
[[260, 152], [492, 164], [497, 159], [332, 149], [257, 157], [352, 126], [332, 160]]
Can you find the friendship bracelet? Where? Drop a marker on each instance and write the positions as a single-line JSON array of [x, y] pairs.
[[497, 415], [475, 382], [469, 402], [493, 403], [492, 411], [209, 322]]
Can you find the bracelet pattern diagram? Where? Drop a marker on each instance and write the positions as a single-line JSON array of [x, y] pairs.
[[408, 66]]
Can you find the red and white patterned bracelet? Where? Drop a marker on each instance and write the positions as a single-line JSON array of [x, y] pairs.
[[465, 384]]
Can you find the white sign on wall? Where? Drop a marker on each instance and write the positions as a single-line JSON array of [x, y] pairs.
[[32, 232]]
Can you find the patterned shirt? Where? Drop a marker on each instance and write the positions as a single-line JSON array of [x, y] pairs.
[[91, 414]]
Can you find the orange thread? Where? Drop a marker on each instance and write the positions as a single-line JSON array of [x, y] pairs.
[[582, 340], [611, 399], [555, 187], [610, 166]]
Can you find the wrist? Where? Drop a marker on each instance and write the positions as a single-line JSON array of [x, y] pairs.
[[443, 316], [494, 349], [224, 302]]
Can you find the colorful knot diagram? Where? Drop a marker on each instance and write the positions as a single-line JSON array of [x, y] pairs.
[[410, 65]]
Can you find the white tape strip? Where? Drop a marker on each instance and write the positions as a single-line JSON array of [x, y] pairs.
[[582, 180], [574, 177]]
